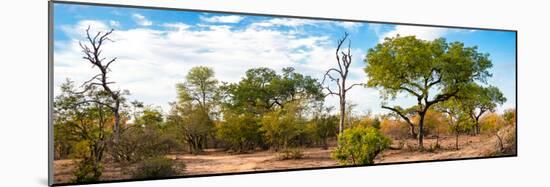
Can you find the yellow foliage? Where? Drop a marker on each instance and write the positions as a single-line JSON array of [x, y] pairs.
[[434, 123], [396, 129], [491, 122]]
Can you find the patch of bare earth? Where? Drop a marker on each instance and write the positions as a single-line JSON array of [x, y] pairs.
[[213, 161]]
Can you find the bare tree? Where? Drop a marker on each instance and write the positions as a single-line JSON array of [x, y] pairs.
[[343, 58], [92, 53]]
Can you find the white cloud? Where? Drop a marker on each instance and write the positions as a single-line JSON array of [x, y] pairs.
[[425, 33], [222, 19], [141, 20], [351, 26], [150, 71], [113, 23], [288, 22]]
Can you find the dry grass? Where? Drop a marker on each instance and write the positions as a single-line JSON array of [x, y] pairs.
[[216, 161]]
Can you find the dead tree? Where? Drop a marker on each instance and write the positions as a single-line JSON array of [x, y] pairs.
[[343, 59], [92, 53]]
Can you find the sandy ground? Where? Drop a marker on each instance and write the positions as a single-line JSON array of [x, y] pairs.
[[217, 161]]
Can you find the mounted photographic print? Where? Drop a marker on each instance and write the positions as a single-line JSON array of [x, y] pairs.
[[142, 93]]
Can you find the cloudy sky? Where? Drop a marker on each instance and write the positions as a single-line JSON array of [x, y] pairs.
[[156, 49]]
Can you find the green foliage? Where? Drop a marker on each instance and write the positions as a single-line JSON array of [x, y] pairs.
[[291, 154], [510, 116], [323, 125], [192, 114], [193, 125], [241, 132], [200, 87], [157, 167], [81, 118], [262, 90], [359, 146], [139, 143], [87, 170], [146, 137], [282, 126], [431, 71]]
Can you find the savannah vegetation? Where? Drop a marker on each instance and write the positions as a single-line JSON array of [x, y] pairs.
[[283, 114]]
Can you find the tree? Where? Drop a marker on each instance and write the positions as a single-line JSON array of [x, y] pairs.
[[323, 125], [283, 125], [92, 53], [201, 86], [192, 112], [343, 59], [263, 90], [480, 100], [146, 137], [457, 115], [430, 71], [240, 131], [193, 123], [360, 146], [85, 123]]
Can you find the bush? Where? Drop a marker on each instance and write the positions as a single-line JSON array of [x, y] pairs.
[[156, 167], [87, 171], [139, 143], [321, 128], [359, 146], [240, 132], [394, 128], [491, 123], [435, 123], [288, 154], [283, 126]]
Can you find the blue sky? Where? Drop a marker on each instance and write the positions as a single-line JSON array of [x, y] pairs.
[[156, 48]]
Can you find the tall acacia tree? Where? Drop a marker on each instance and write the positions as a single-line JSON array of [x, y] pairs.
[[92, 53], [339, 75], [430, 71]]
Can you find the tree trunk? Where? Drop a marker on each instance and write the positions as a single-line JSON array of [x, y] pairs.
[[342, 115], [421, 132], [412, 132], [116, 126], [456, 140], [477, 128]]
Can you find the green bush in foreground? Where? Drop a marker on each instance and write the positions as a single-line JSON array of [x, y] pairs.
[[156, 167], [359, 146]]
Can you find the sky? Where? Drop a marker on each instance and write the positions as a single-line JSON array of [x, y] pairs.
[[156, 48]]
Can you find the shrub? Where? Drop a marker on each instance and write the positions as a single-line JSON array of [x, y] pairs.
[[491, 123], [288, 154], [394, 128], [282, 126], [156, 167], [435, 123], [139, 143], [321, 128], [359, 146], [510, 116], [241, 132], [87, 171]]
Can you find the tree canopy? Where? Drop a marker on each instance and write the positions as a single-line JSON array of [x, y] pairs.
[[431, 71]]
